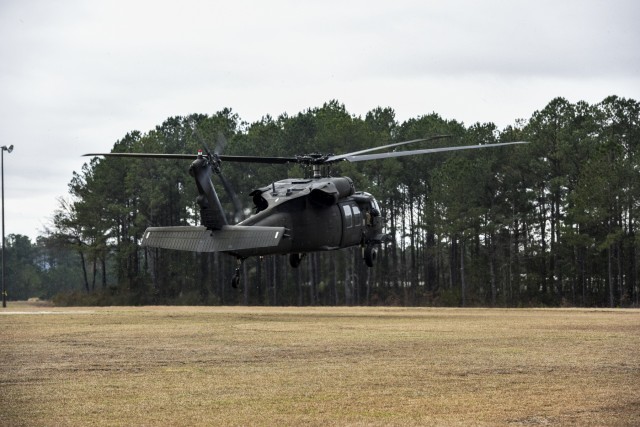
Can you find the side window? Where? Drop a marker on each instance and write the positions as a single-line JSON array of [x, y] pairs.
[[357, 216], [374, 205], [348, 219]]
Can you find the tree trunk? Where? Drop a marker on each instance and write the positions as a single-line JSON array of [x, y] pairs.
[[103, 266], [84, 271], [94, 265], [492, 268], [347, 279], [463, 284], [610, 277]]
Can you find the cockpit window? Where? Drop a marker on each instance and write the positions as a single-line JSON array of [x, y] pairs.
[[374, 204], [357, 216], [348, 219]]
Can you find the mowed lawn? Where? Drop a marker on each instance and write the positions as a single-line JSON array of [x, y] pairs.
[[184, 366]]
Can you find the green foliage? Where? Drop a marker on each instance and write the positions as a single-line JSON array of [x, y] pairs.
[[39, 270], [550, 223]]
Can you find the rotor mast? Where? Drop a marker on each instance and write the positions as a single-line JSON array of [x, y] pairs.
[[317, 171]]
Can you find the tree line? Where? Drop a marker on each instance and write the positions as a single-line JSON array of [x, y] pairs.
[[548, 223]]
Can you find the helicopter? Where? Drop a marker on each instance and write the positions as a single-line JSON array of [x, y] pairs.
[[292, 217]]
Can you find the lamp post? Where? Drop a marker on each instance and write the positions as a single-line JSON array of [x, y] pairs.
[[8, 150]]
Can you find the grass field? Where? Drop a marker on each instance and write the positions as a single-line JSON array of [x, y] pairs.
[[318, 366]]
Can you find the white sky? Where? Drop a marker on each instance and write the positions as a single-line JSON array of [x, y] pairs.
[[75, 76]]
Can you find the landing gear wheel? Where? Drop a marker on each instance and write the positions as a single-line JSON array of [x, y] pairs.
[[295, 260], [235, 281], [370, 255]]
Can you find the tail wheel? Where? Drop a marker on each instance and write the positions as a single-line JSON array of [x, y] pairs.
[[370, 255]]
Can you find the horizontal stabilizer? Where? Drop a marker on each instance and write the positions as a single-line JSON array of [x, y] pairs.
[[198, 239]]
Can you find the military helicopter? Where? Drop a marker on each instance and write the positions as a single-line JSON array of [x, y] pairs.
[[292, 216]]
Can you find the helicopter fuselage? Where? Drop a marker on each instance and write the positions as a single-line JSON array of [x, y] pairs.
[[318, 214]]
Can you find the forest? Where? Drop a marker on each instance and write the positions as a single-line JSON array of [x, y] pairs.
[[545, 224]]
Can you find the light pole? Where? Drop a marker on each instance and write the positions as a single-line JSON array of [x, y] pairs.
[[8, 150]]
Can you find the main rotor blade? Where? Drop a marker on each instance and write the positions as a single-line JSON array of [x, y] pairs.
[[425, 151], [221, 143], [382, 147], [146, 155], [224, 158], [258, 159]]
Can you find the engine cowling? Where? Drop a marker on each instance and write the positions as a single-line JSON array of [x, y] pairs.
[[329, 192]]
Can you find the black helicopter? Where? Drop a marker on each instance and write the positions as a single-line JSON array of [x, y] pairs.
[[293, 216]]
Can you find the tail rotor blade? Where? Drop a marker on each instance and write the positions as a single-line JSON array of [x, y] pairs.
[[235, 200]]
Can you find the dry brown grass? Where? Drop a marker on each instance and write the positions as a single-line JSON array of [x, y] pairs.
[[318, 366]]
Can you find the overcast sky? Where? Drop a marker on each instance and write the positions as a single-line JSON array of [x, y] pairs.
[[75, 76]]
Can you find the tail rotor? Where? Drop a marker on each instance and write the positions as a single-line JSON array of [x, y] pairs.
[[215, 161]]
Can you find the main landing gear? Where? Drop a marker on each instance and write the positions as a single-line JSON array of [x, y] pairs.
[[370, 254], [235, 281], [295, 259]]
